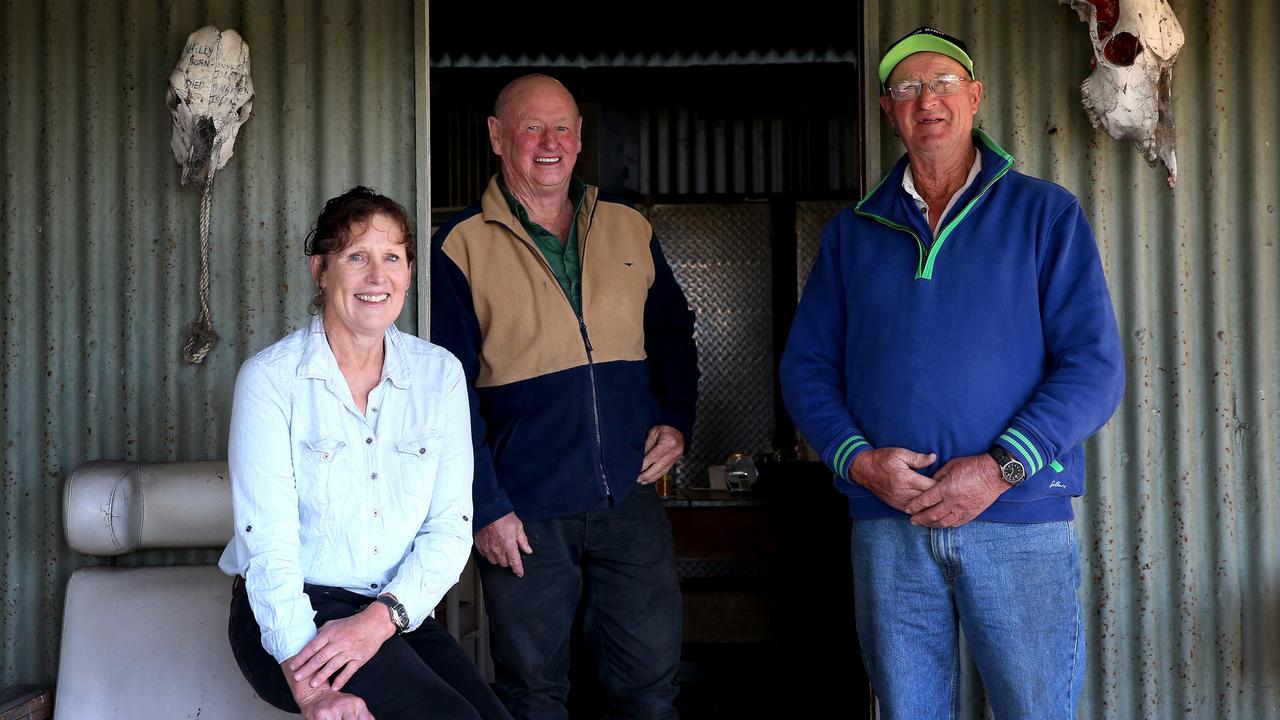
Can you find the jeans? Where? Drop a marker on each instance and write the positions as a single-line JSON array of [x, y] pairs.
[[615, 568], [413, 675], [1011, 588]]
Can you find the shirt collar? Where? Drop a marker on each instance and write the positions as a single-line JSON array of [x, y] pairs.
[[577, 191], [909, 185], [318, 360]]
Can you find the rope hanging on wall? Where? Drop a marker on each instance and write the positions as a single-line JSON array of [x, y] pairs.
[[203, 336], [210, 96]]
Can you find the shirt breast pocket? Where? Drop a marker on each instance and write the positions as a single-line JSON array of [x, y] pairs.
[[317, 482], [419, 460]]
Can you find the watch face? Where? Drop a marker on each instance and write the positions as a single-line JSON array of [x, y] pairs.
[[1012, 472]]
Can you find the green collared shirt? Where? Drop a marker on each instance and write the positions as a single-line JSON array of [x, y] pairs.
[[563, 257]]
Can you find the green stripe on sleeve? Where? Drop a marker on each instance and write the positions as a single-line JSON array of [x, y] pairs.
[[846, 449], [1022, 450], [1036, 453]]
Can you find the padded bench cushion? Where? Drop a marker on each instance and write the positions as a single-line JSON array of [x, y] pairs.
[[150, 643]]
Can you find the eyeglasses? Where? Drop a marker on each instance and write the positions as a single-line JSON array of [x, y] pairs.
[[942, 86]]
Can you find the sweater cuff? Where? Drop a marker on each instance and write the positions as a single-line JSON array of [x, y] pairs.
[[1020, 445], [489, 510], [841, 453]]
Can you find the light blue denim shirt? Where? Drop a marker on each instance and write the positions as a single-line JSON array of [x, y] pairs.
[[374, 502]]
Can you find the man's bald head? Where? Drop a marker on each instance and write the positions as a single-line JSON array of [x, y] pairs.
[[534, 82], [537, 132]]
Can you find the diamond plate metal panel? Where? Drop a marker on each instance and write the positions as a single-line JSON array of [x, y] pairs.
[[720, 256], [811, 217], [730, 568]]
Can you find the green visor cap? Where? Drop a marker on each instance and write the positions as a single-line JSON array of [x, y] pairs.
[[925, 39]]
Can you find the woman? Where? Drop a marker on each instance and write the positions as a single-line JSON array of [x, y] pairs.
[[350, 456]]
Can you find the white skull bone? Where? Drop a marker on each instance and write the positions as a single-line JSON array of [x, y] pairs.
[[210, 96], [1129, 93]]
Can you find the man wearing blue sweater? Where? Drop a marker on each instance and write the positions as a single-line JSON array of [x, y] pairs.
[[954, 347]]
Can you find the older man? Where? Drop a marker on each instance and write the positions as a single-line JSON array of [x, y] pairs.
[[579, 347], [954, 347]]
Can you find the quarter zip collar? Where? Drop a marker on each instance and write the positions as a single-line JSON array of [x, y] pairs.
[[909, 185], [889, 204]]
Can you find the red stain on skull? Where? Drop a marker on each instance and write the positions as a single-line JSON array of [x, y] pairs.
[[1108, 14]]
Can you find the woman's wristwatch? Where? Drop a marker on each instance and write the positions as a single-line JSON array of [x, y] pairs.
[[399, 616]]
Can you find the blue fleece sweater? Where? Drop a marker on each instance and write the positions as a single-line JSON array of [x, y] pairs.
[[998, 332]]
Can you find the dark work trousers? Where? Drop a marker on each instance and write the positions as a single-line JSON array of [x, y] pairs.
[[419, 674], [619, 564]]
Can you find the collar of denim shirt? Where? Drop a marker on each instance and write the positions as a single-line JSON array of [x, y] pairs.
[[319, 362]]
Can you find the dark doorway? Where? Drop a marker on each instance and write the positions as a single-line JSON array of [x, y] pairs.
[[739, 137]]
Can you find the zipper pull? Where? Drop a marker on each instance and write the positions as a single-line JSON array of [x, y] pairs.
[[582, 326]]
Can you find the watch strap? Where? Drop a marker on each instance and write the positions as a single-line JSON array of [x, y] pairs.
[[399, 616]]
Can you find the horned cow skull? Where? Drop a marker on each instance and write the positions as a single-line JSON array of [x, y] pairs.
[[210, 96], [1129, 93]]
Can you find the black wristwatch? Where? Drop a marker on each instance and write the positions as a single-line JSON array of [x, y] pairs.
[[399, 616], [1011, 470]]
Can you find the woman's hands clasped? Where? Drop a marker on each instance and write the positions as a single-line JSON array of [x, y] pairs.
[[338, 650], [323, 703]]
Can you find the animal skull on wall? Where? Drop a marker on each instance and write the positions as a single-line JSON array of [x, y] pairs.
[[1130, 92], [210, 96]]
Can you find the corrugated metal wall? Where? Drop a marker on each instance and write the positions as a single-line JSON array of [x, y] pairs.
[[735, 151], [101, 243], [707, 133], [685, 151], [1181, 528]]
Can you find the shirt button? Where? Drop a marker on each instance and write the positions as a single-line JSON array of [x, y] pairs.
[[373, 586], [375, 549], [422, 451], [373, 476], [368, 441], [375, 512]]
